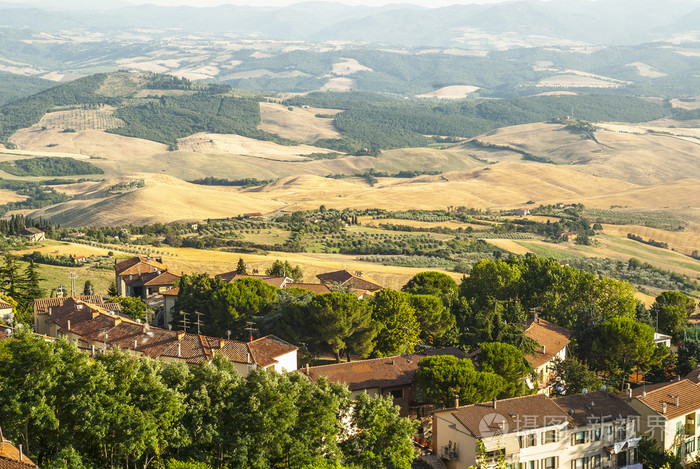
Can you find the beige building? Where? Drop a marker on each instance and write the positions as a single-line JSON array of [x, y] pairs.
[[670, 414], [589, 431], [142, 277]]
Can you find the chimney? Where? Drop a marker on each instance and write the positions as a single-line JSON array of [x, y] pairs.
[[536, 318], [21, 456], [456, 400], [92, 350], [663, 407], [69, 324], [136, 344], [247, 357], [678, 401], [494, 402], [307, 369], [544, 350], [179, 349], [629, 393], [222, 343]]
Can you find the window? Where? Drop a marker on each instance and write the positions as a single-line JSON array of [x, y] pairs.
[[690, 446], [579, 438], [608, 430], [596, 434], [549, 436], [531, 439], [550, 463], [526, 441], [622, 432], [595, 461], [679, 427], [397, 393], [531, 465], [579, 463]]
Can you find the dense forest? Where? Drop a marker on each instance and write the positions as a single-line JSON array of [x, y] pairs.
[[172, 117], [49, 166]]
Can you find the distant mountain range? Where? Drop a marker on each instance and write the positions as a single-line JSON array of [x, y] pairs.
[[605, 22]]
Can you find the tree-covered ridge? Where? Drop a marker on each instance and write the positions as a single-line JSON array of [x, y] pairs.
[[370, 121], [172, 117], [49, 166], [28, 111]]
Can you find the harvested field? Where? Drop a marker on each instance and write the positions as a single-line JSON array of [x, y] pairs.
[[299, 124], [450, 92], [348, 67], [338, 84], [239, 145]]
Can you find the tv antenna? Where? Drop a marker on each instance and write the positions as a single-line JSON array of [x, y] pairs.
[[199, 321], [72, 276], [250, 328], [183, 322]]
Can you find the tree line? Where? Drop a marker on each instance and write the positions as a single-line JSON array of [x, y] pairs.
[[115, 410]]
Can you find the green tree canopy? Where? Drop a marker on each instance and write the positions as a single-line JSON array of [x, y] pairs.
[[507, 362], [383, 438], [398, 329], [434, 318], [576, 376], [433, 283], [624, 346], [132, 307], [440, 378], [672, 309], [282, 269]]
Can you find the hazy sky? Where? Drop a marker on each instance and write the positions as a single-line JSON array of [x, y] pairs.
[[425, 3]]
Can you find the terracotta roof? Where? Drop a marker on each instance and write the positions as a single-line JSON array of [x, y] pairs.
[[9, 456], [378, 372], [694, 375], [159, 278], [554, 338], [594, 407], [317, 288], [274, 280], [4, 305], [687, 392], [30, 230], [172, 292], [42, 305], [265, 349], [94, 323], [517, 413], [137, 266], [346, 279], [644, 388]]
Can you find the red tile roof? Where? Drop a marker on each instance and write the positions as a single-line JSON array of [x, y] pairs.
[[517, 413], [317, 288], [594, 407], [10, 457], [42, 305], [138, 265], [30, 230], [265, 349], [346, 279], [172, 292], [275, 281], [94, 323], [687, 392], [378, 372], [694, 375], [159, 278], [554, 338]]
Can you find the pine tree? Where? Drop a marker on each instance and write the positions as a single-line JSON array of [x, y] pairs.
[[112, 290], [241, 268], [30, 282]]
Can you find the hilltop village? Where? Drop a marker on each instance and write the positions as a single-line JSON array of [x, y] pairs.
[[510, 367]]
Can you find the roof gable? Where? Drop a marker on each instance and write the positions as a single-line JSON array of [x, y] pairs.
[[687, 393], [548, 335]]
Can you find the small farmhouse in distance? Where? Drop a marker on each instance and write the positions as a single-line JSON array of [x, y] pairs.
[[33, 235]]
